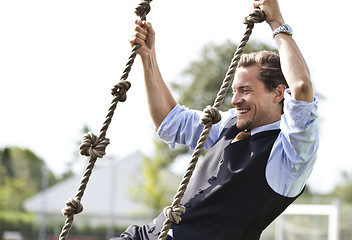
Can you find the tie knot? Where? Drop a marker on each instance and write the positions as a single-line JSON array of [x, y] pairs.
[[241, 136]]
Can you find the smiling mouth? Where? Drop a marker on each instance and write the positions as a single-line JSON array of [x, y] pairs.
[[242, 111]]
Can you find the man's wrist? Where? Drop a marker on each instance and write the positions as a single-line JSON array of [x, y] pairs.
[[284, 28], [149, 60], [275, 24]]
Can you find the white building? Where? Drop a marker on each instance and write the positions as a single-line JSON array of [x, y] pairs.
[[106, 200]]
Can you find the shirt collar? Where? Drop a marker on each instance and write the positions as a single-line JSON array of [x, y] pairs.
[[268, 127]]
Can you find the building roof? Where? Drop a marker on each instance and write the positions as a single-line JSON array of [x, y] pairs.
[[106, 196]]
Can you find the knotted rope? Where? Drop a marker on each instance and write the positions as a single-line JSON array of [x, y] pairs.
[[211, 116], [93, 146]]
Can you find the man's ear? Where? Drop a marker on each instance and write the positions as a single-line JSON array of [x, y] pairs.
[[279, 93]]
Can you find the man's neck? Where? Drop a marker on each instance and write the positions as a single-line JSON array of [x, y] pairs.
[[267, 127]]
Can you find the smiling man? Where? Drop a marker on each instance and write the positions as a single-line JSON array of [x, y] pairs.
[[258, 90], [260, 154]]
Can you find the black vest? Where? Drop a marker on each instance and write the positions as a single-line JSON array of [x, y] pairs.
[[228, 197]]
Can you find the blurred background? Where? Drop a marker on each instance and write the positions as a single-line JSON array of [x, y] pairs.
[[58, 62]]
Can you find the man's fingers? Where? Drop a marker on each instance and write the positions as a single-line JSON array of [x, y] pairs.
[[135, 40], [139, 22], [141, 36], [257, 3], [141, 30], [149, 27]]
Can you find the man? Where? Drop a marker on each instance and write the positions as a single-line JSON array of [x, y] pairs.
[[243, 184]]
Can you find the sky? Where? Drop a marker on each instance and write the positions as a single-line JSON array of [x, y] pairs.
[[59, 60]]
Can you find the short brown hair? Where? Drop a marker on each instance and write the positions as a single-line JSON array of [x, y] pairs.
[[270, 68]]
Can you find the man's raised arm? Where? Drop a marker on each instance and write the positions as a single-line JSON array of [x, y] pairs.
[[160, 99], [293, 65]]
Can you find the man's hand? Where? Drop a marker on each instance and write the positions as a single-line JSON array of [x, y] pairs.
[[143, 35], [272, 11]]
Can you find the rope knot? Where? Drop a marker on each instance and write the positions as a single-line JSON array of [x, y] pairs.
[[173, 214], [143, 9], [120, 90], [73, 206], [211, 114], [93, 146], [257, 16]]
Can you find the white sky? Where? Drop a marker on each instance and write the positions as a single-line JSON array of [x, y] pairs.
[[59, 60]]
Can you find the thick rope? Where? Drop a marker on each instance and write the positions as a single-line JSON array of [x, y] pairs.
[[93, 146], [211, 116]]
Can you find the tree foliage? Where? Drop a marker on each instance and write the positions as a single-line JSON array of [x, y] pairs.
[[20, 177]]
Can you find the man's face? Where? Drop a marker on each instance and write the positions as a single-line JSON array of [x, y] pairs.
[[255, 105]]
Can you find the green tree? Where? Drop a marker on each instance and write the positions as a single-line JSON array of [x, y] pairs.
[[7, 162], [12, 192], [20, 177]]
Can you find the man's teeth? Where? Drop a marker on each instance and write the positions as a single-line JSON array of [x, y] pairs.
[[242, 111]]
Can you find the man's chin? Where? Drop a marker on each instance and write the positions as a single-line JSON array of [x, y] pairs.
[[242, 125]]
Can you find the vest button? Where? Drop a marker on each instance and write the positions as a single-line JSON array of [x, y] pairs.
[[200, 191], [221, 161], [212, 178]]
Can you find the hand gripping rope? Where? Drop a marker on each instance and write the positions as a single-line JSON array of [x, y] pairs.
[[94, 147]]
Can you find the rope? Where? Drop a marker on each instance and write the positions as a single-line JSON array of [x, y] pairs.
[[211, 116], [93, 146]]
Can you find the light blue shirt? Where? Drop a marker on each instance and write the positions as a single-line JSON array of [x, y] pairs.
[[293, 154]]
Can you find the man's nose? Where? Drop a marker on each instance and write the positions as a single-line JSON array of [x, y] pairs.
[[236, 99]]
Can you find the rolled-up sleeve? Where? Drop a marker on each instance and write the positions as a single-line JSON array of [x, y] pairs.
[[300, 127], [295, 151], [182, 125]]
